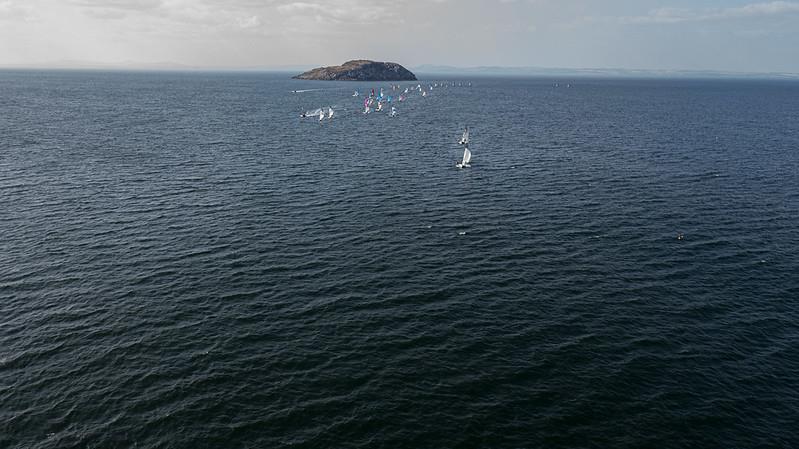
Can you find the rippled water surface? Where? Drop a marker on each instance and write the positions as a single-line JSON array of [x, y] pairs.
[[185, 263]]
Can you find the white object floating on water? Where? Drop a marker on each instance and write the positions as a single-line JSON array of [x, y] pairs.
[[467, 156], [462, 233], [313, 113]]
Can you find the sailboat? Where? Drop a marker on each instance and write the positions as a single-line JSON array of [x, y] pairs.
[[465, 138], [321, 114], [330, 113], [467, 155], [393, 112]]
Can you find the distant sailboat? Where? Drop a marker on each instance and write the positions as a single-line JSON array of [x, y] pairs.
[[330, 113], [465, 138], [467, 155], [314, 113], [356, 94], [393, 112], [321, 114]]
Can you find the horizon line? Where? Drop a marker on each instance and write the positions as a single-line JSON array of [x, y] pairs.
[[421, 68]]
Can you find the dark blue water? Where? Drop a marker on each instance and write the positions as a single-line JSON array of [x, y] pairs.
[[185, 263]]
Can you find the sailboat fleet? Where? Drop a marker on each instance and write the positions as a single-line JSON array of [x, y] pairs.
[[380, 101]]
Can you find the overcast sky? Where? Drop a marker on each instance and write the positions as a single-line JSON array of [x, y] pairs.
[[749, 36]]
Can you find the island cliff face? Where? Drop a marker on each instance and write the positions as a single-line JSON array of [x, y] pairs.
[[360, 70]]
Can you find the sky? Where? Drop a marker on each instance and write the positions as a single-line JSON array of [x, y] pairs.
[[729, 35]]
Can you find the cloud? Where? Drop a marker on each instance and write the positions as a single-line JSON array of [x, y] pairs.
[[14, 10], [340, 11], [132, 5], [167, 14], [248, 22], [680, 15], [763, 9], [248, 14]]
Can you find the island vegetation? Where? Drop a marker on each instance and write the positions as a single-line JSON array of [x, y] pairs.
[[360, 70]]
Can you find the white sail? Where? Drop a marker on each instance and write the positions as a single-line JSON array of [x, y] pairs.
[[321, 114], [465, 138], [313, 113], [467, 156], [330, 113]]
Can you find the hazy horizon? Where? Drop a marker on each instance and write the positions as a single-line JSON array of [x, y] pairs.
[[674, 35]]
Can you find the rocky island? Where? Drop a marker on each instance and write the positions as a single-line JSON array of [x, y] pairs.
[[360, 70]]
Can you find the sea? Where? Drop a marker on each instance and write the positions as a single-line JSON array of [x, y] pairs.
[[185, 262]]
